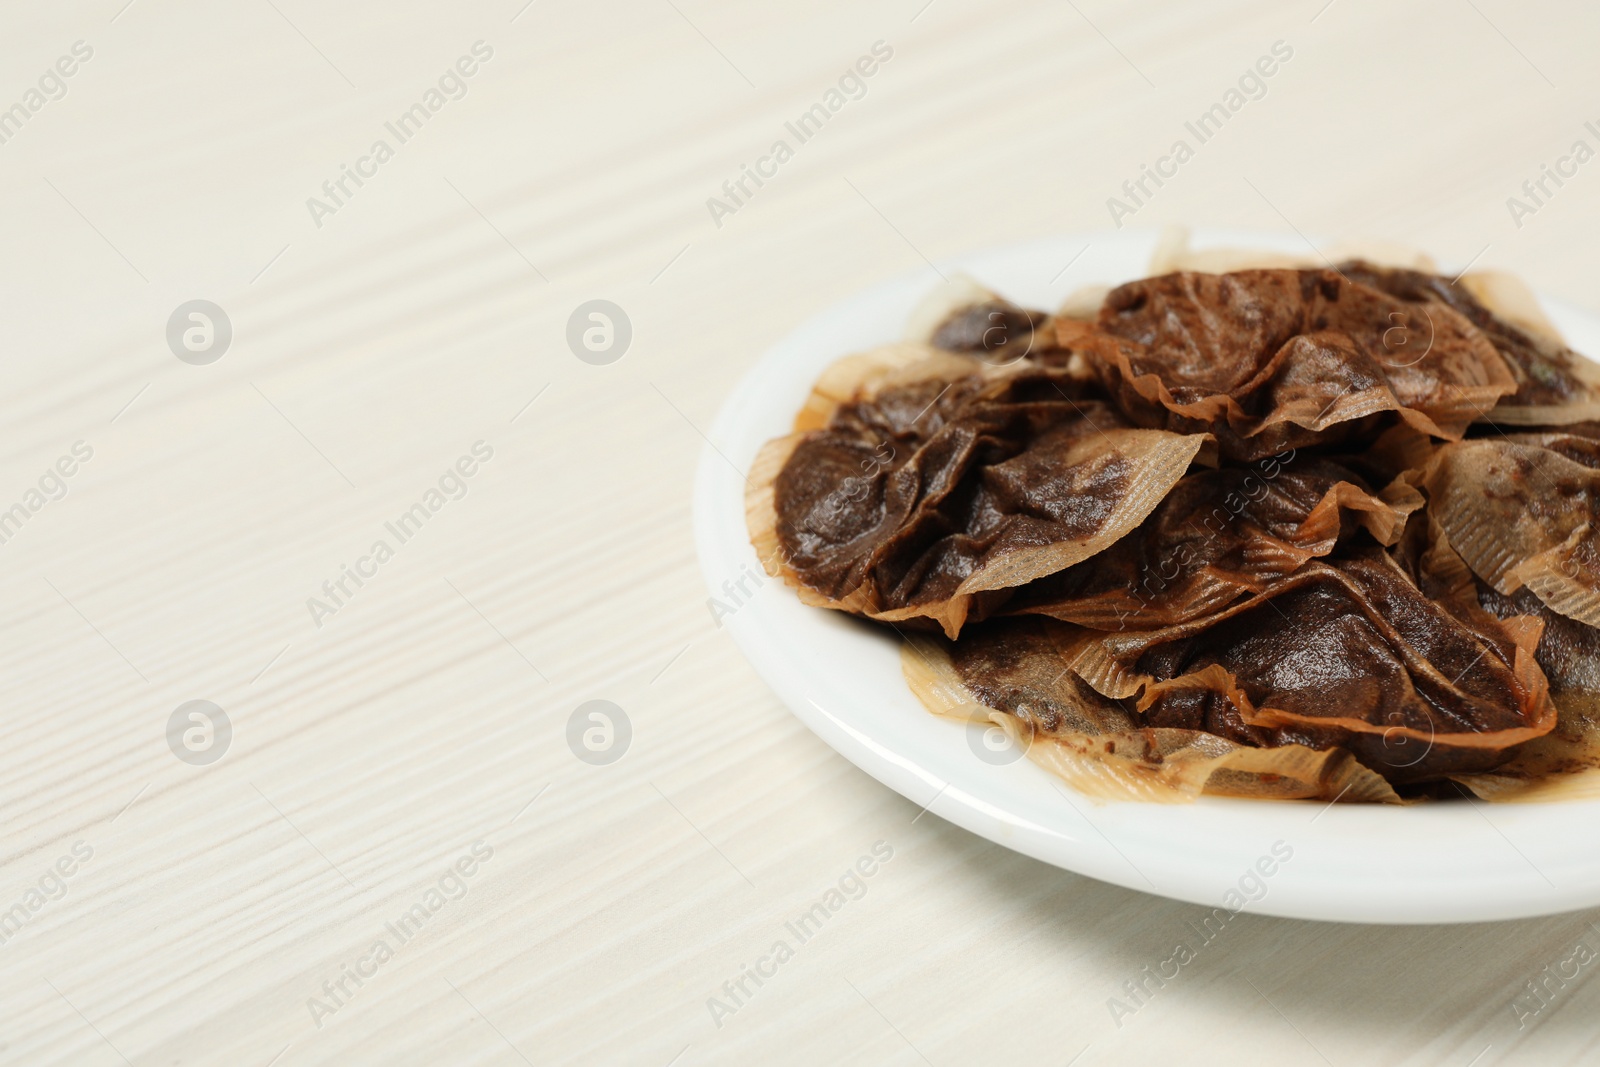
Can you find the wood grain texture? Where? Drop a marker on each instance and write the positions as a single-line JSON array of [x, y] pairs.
[[430, 710]]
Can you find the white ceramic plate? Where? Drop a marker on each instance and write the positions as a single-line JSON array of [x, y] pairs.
[[1447, 862]]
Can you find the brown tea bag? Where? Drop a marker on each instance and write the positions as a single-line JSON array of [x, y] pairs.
[[1005, 476], [1555, 385], [1016, 673], [964, 317], [1218, 535], [1566, 761], [903, 373], [1525, 511], [1347, 652], [1269, 360]]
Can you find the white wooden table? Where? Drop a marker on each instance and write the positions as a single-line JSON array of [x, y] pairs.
[[398, 770]]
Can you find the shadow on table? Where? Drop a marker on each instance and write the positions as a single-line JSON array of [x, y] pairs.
[[1442, 993]]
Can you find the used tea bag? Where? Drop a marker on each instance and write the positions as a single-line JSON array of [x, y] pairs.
[[1347, 652], [1525, 511], [1274, 359], [962, 316], [1566, 761], [1004, 476], [1017, 674], [1218, 535], [1554, 384]]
